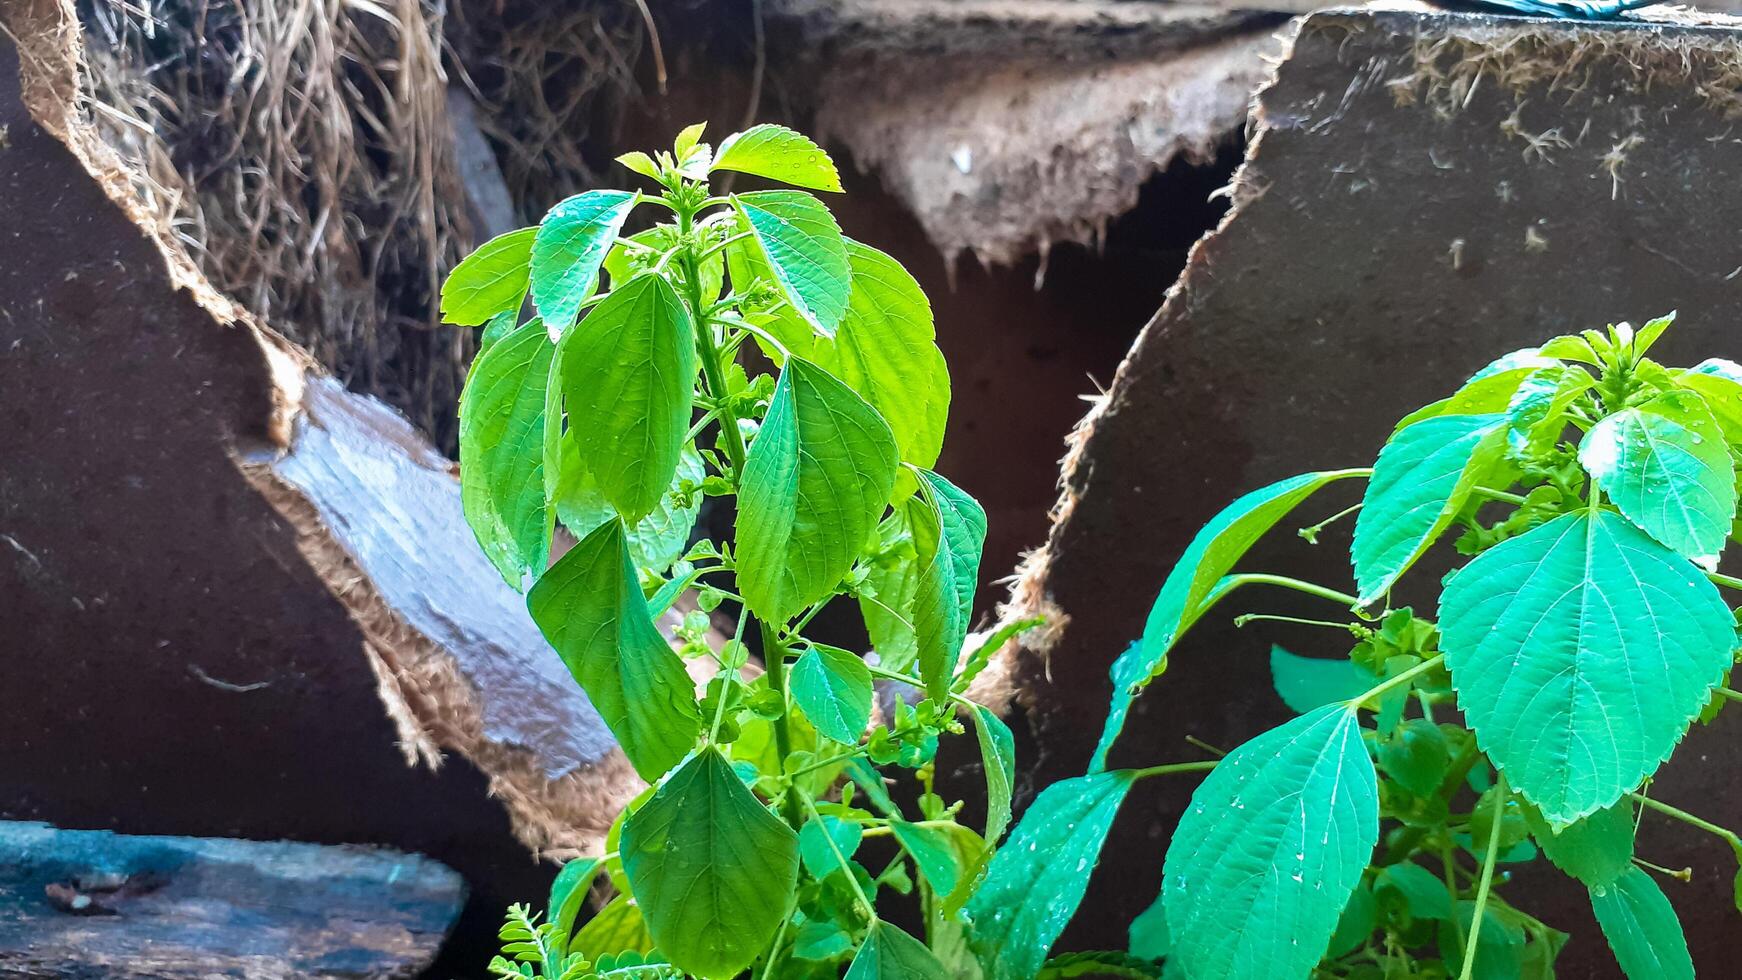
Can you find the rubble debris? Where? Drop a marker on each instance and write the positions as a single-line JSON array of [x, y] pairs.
[[93, 903]]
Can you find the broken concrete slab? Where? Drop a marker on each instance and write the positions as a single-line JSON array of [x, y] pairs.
[[90, 903], [1007, 127], [237, 600], [1422, 192]]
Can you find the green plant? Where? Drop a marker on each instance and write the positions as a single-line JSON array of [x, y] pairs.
[[629, 399], [1593, 490]]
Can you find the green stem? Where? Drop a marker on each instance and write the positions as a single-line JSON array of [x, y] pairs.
[[1258, 578], [774, 666], [1688, 818], [1242, 620], [1725, 692], [1403, 678], [846, 866], [1487, 883], [1311, 534], [1174, 767], [1511, 498], [1726, 581], [1450, 862]]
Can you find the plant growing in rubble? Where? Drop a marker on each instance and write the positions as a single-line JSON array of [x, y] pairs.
[[1595, 490], [627, 400]]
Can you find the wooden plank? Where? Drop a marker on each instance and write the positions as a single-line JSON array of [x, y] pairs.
[[77, 903]]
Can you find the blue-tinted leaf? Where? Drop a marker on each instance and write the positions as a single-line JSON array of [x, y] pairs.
[[1305, 683], [1270, 849], [1665, 464], [804, 249], [1595, 849], [1642, 928], [570, 245], [1423, 477], [1581, 650], [1037, 879]]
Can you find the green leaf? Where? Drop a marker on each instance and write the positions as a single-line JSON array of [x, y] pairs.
[[500, 326], [1499, 949], [816, 480], [714, 871], [885, 349], [949, 531], [1100, 964], [655, 541], [1037, 879], [1270, 849], [1360, 917], [1424, 894], [890, 954], [571, 242], [1305, 683], [1537, 414], [1148, 935], [803, 247], [490, 281], [1665, 464], [1213, 552], [1595, 849], [502, 455], [833, 688], [998, 758], [628, 376], [813, 844], [1580, 651], [640, 163], [618, 928], [946, 856], [779, 154], [1642, 928], [1422, 479], [624, 262], [569, 891], [1488, 390], [1416, 756], [886, 595], [1719, 382], [590, 607]]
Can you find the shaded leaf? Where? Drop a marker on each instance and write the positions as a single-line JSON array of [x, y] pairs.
[[949, 532], [890, 954], [628, 377], [590, 607], [713, 870], [1594, 849], [618, 928], [502, 421], [569, 891], [1305, 683], [655, 541], [803, 247], [998, 758], [817, 478]]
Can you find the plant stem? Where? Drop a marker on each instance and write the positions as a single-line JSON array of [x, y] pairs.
[[1486, 885], [846, 866], [1488, 876], [1511, 498], [1729, 582], [1725, 692], [1688, 818], [1450, 861], [1174, 767], [1258, 578], [1403, 678], [1242, 620], [1311, 534], [774, 666]]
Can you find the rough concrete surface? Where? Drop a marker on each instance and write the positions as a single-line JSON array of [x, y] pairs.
[[1423, 192]]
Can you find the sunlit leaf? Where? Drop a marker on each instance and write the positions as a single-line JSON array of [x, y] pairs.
[[779, 154], [570, 244], [1665, 464], [490, 281], [803, 247]]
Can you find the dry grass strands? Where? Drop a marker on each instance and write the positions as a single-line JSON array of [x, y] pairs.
[[299, 150]]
